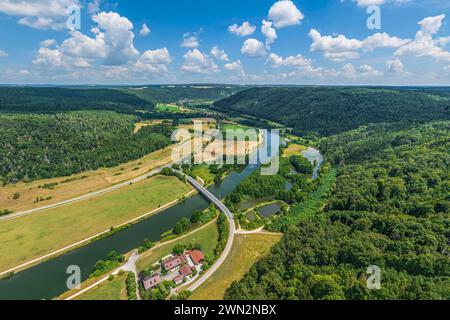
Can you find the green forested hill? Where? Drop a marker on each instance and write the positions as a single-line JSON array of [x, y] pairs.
[[171, 94], [118, 99], [389, 207], [328, 111], [36, 146], [49, 100]]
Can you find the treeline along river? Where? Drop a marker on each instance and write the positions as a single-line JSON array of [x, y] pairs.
[[48, 279]]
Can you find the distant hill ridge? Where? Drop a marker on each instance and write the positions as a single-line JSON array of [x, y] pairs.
[[327, 111], [118, 99], [49, 100]]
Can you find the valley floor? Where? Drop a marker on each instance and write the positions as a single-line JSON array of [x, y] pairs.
[[247, 249], [33, 236], [77, 185]]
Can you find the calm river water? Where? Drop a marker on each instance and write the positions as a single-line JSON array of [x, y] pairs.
[[48, 279]]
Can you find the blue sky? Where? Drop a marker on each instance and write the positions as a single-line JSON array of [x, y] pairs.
[[233, 41]]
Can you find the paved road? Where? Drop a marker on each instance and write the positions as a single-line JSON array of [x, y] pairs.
[[85, 196], [87, 240], [91, 194], [232, 232], [130, 266]]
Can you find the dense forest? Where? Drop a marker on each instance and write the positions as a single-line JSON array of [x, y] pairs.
[[50, 100], [389, 208], [170, 94], [327, 111], [48, 132], [137, 101], [275, 186], [38, 146]]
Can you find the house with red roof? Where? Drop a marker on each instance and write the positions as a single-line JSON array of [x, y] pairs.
[[151, 282], [173, 262], [196, 256], [178, 279], [184, 272]]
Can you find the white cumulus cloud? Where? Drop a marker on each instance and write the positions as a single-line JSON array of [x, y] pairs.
[[113, 45], [154, 61], [383, 40], [292, 61], [116, 31], [190, 41], [349, 71], [145, 30], [235, 66], [367, 71], [40, 14], [395, 66], [48, 43], [243, 30], [219, 54], [196, 61], [340, 48], [158, 56], [254, 48], [54, 58], [424, 45], [24, 72], [284, 13], [269, 32]]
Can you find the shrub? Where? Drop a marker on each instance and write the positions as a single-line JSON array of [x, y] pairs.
[[131, 286]]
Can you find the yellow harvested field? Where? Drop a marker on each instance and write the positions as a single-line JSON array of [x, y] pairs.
[[205, 120], [247, 249], [80, 184], [33, 236], [230, 148], [138, 126], [293, 149]]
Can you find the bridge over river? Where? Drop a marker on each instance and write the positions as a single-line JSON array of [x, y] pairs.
[[210, 197]]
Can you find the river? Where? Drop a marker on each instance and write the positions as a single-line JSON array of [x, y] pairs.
[[48, 279], [316, 159]]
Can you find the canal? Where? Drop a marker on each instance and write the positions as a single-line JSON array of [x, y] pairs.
[[48, 279]]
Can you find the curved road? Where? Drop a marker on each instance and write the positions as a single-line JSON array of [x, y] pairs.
[[202, 190], [130, 266]]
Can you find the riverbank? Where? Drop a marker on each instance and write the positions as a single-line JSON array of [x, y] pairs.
[[83, 185], [68, 216], [145, 259], [48, 279]]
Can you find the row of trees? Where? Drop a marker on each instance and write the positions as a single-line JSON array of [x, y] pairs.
[[131, 285], [224, 229], [113, 260]]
